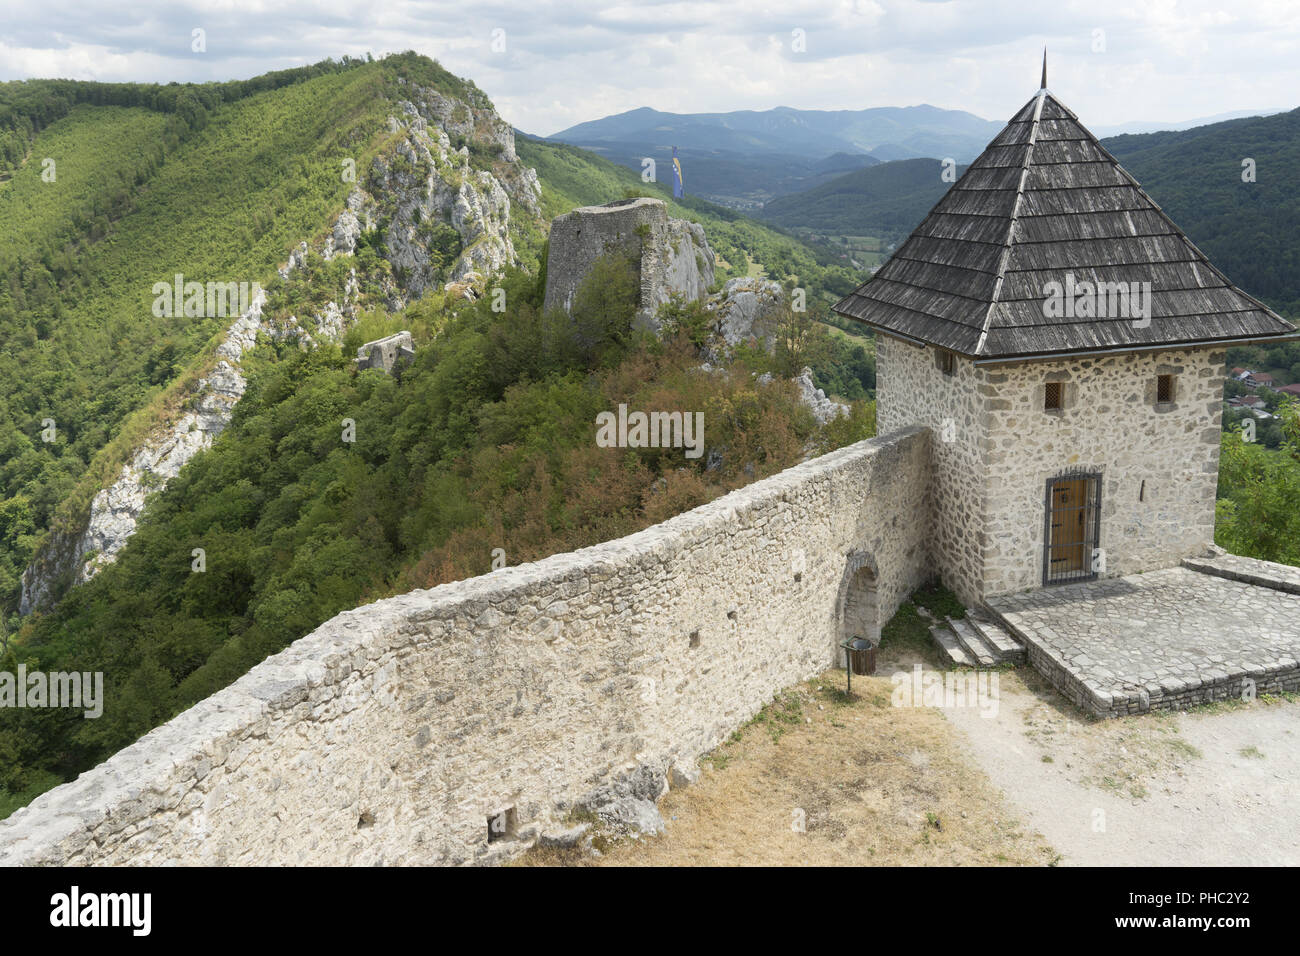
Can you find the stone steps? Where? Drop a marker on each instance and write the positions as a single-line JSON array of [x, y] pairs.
[[950, 649], [976, 641], [1006, 647], [974, 644]]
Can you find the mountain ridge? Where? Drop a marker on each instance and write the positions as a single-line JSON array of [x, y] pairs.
[[467, 215], [745, 157], [1196, 176]]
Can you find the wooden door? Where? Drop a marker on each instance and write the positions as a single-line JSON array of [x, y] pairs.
[[1070, 516]]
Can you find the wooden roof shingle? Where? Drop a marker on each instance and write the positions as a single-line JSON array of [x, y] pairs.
[[1043, 201]]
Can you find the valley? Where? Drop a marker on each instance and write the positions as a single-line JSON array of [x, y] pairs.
[[411, 489]]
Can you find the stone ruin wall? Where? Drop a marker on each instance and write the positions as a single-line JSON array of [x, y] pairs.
[[393, 732], [672, 255]]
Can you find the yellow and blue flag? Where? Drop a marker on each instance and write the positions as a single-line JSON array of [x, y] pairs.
[[678, 190]]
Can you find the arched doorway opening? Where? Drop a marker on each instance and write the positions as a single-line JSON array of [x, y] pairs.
[[859, 611]]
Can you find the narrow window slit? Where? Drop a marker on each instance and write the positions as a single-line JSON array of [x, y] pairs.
[[502, 825]]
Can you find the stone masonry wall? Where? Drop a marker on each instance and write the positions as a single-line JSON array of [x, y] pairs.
[[1159, 463], [394, 731], [912, 390], [672, 255]]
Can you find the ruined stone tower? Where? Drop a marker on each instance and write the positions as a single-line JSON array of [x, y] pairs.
[[1065, 342], [672, 256]]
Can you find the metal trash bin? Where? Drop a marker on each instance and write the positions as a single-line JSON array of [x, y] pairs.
[[862, 656]]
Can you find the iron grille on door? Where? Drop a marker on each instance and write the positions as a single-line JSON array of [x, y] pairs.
[[1072, 528]]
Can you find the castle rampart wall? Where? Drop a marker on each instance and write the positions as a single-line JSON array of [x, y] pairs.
[[391, 733]]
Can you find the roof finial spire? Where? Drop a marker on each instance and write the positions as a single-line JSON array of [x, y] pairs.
[[1044, 86]]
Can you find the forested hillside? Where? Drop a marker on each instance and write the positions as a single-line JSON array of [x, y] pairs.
[[198, 186], [876, 201], [484, 443], [1250, 230], [215, 182]]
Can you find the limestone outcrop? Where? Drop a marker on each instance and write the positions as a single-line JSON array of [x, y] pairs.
[[444, 220], [823, 408], [672, 255], [115, 509], [748, 307]]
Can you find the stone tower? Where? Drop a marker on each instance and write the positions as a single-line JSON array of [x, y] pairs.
[[672, 256], [1065, 342]]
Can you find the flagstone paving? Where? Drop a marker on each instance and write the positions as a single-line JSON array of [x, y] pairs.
[[1165, 639]]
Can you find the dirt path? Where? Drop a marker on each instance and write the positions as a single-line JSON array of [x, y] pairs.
[[818, 780], [1216, 786]]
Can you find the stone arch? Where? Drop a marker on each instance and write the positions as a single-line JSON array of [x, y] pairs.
[[858, 606]]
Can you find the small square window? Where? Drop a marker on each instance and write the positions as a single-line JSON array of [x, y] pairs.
[[1053, 395], [1164, 389], [945, 361]]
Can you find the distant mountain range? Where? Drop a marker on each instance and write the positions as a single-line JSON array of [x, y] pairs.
[[885, 132], [747, 157]]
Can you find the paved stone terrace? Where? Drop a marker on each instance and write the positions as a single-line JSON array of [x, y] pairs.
[[1165, 639], [1283, 577]]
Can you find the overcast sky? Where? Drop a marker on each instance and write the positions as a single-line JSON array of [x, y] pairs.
[[569, 61]]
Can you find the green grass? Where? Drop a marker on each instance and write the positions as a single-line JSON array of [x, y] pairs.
[[779, 716], [1183, 748], [907, 630]]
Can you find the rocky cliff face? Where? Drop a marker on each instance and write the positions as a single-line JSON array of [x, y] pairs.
[[74, 558], [672, 255], [748, 307], [445, 222]]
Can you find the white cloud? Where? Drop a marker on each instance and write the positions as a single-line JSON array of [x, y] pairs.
[[570, 61]]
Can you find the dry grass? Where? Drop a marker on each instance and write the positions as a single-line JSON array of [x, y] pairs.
[[871, 783]]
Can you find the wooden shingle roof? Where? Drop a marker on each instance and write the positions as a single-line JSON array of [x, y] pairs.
[[1045, 199]]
